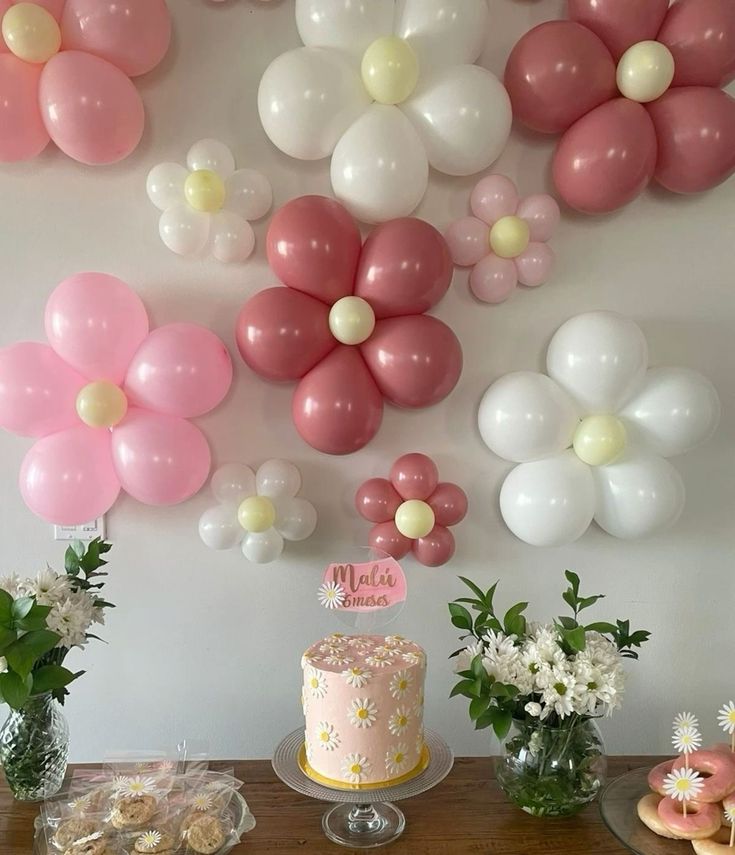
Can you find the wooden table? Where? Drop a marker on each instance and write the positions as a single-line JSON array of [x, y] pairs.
[[465, 815]]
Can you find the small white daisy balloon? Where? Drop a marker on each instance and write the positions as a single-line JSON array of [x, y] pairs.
[[209, 203]]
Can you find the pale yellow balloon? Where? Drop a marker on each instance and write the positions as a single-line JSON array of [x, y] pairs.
[[101, 404], [599, 439], [352, 320], [205, 191], [31, 32], [257, 514], [414, 518], [509, 237], [645, 71], [390, 70]]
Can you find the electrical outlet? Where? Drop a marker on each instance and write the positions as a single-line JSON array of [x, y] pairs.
[[85, 532]]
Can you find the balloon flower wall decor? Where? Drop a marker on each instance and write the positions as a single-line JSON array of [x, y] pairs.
[[258, 511], [210, 202], [108, 402], [350, 326], [591, 438], [412, 511], [65, 69], [387, 88], [634, 87], [505, 241]]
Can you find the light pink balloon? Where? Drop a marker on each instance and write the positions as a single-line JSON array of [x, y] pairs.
[[377, 500], [54, 7], [436, 548], [416, 361], [133, 35], [414, 476], [183, 370], [38, 390], [620, 23], [159, 459], [22, 132], [493, 279], [386, 537], [493, 197], [467, 240], [449, 503], [534, 264], [96, 323], [542, 214], [90, 108], [68, 478]]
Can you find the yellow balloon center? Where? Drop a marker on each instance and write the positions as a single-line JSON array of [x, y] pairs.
[[205, 191], [390, 70], [645, 71], [414, 519], [31, 33], [257, 514], [599, 440], [509, 237], [101, 404], [352, 320]]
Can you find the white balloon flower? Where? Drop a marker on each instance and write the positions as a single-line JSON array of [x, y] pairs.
[[387, 87], [209, 203], [591, 437], [257, 511]]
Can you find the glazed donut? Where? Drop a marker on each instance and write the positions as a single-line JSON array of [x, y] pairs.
[[717, 845], [702, 820], [648, 815], [720, 748], [657, 774], [720, 769]]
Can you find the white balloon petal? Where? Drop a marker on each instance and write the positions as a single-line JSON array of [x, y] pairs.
[[165, 185], [676, 409], [379, 167], [249, 194], [295, 518], [443, 32], [525, 416], [233, 238], [184, 230], [278, 479], [346, 25], [549, 502], [233, 482], [463, 115], [600, 358], [307, 99], [219, 528], [264, 547], [638, 495], [213, 155]]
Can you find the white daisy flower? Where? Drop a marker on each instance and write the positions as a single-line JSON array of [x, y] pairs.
[[309, 749], [357, 677], [686, 740], [729, 814], [309, 657], [357, 641], [202, 802], [399, 721], [683, 785], [395, 641], [355, 767], [317, 684], [413, 658], [339, 659], [379, 660], [396, 759], [685, 719], [326, 736], [304, 700], [339, 637], [119, 782], [139, 786], [362, 712], [148, 840], [726, 718], [166, 766], [331, 595], [81, 804], [400, 684]]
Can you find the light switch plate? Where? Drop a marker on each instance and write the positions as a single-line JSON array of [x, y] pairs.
[[85, 532]]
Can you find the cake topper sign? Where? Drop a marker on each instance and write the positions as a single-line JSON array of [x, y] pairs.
[[364, 587]]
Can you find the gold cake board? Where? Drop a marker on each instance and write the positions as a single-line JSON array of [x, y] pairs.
[[343, 785]]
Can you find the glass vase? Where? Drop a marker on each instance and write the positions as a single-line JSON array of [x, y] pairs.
[[34, 748], [552, 771]]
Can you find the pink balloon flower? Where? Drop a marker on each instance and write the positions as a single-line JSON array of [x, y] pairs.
[[634, 87], [412, 511], [350, 326], [109, 402], [65, 69], [505, 241]]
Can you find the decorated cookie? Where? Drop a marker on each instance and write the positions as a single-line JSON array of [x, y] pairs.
[[206, 835], [73, 830], [133, 811], [155, 840]]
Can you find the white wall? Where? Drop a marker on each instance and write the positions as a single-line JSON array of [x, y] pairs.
[[204, 644]]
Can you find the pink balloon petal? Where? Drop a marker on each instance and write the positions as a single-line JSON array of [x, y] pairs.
[[494, 279], [436, 548], [620, 23], [181, 369], [534, 264], [22, 132], [701, 36], [96, 323], [542, 214], [416, 361], [449, 503], [337, 408], [467, 240], [494, 197], [282, 334], [160, 459], [386, 538], [405, 268], [414, 476], [696, 138], [133, 35], [68, 478], [55, 7], [90, 108], [38, 390], [377, 500]]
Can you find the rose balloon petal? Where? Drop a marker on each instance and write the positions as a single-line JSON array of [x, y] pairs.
[[385, 537], [414, 476], [23, 134], [377, 500]]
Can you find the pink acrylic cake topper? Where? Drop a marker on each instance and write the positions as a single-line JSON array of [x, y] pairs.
[[367, 586]]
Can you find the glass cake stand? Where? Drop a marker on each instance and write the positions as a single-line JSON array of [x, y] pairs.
[[362, 819]]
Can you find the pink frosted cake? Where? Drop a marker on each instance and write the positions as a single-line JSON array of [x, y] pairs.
[[363, 701]]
